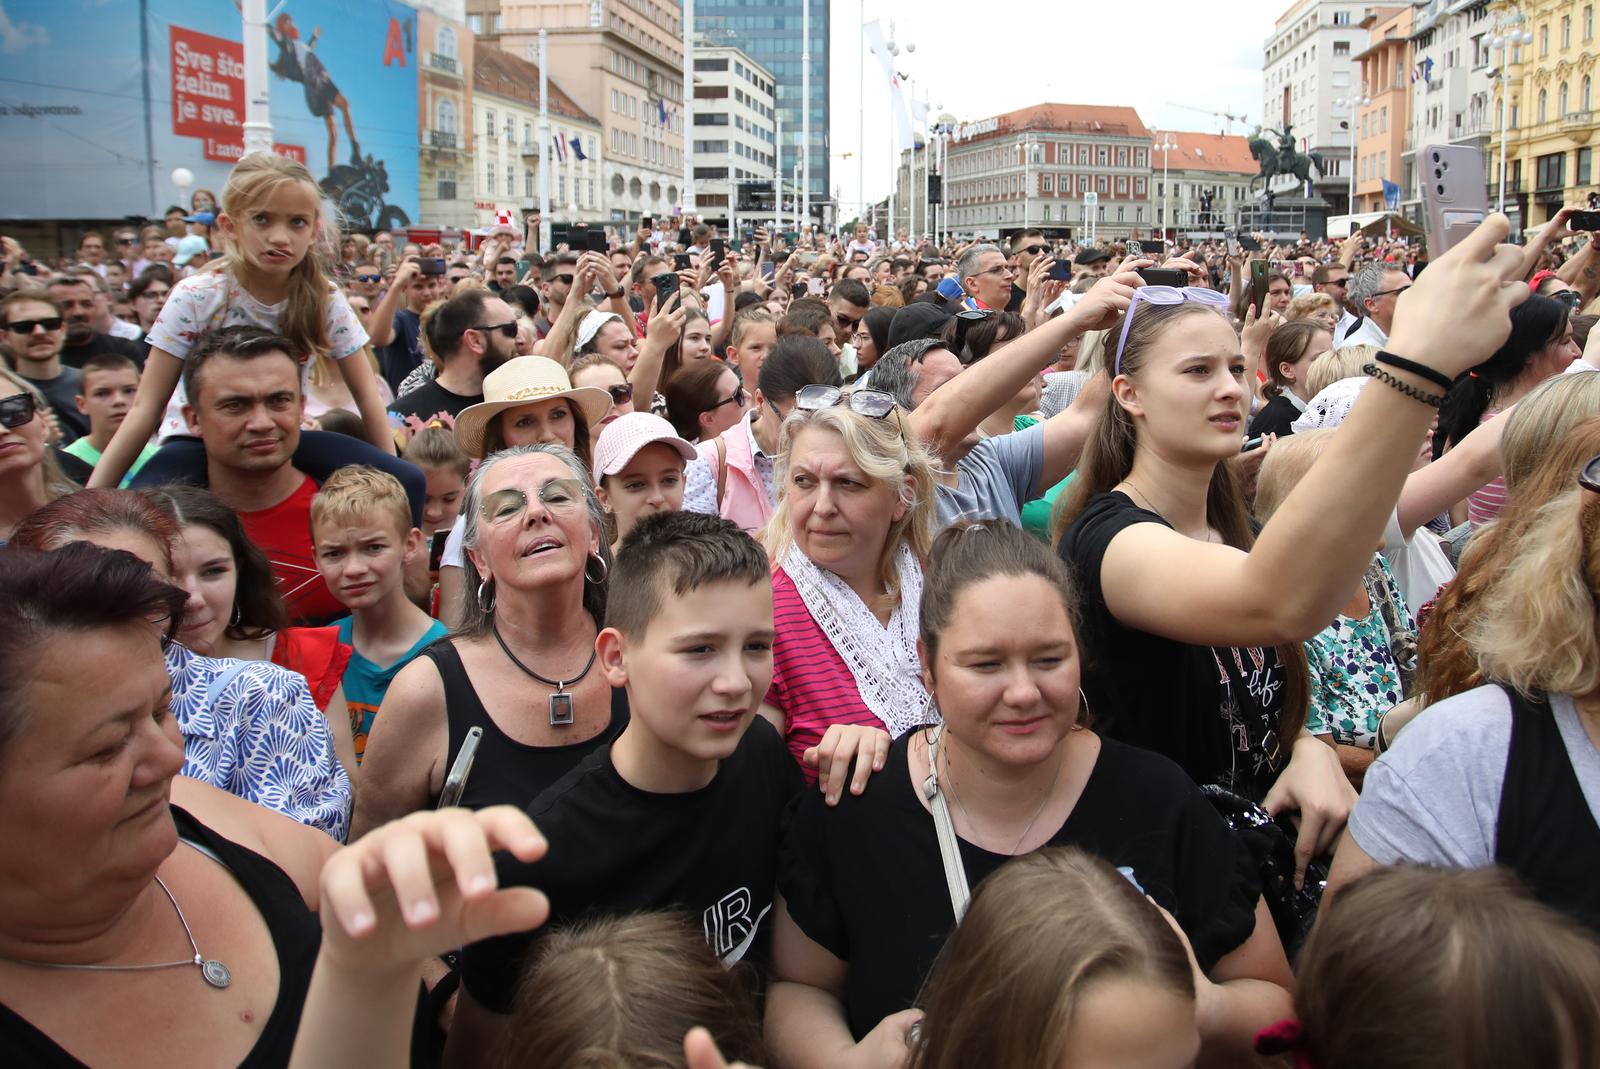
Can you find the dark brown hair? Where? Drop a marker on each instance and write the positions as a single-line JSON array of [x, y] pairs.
[[691, 391], [968, 553], [76, 588], [494, 441], [1288, 345], [1436, 968], [807, 315], [241, 342], [1039, 931], [622, 992], [677, 552], [1108, 458], [260, 609]]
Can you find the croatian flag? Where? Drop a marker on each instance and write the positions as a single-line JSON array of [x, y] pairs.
[[561, 148], [661, 107]]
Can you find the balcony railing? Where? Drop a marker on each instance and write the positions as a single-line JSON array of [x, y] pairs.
[[532, 148], [442, 138], [1574, 119], [443, 63]]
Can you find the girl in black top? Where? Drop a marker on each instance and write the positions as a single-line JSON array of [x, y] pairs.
[[1193, 626], [865, 905], [1291, 351]]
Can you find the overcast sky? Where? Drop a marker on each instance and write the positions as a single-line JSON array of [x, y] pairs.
[[1149, 54]]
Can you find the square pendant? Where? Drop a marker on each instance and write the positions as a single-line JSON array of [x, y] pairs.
[[560, 709]]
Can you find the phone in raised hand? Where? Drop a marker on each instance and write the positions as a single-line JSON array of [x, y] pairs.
[[1455, 196]]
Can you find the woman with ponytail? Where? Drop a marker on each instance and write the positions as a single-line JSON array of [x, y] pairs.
[[1540, 346]]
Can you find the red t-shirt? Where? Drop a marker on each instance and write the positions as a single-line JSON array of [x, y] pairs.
[[283, 533]]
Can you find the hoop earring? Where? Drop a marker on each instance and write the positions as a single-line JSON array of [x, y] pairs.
[[1083, 703], [481, 587], [237, 616], [604, 571]]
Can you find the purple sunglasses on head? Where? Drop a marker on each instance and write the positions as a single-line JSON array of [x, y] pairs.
[[1165, 295]]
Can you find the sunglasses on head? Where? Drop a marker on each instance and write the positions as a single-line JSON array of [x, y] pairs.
[[1588, 477], [16, 410], [508, 329], [872, 403], [1165, 295], [27, 326]]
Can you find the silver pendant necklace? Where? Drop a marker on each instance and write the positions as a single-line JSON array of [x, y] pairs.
[[560, 701], [211, 970]]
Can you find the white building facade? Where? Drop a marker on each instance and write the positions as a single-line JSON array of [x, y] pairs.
[[735, 133], [1307, 66], [1452, 95]]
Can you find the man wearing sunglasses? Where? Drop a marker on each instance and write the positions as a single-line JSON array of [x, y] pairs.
[[848, 302], [558, 275], [1374, 291], [1027, 246], [472, 333], [397, 321], [34, 334]]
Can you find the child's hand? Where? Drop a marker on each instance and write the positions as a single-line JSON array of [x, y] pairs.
[[425, 884]]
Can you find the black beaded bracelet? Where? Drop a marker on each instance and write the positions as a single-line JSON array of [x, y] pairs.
[[1376, 372], [1438, 378]]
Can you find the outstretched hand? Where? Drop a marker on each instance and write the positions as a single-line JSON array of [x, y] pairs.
[[425, 884], [1458, 312]]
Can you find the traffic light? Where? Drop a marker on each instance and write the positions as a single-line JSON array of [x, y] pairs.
[[935, 189]]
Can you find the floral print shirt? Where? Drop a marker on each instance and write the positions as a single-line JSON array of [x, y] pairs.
[[1354, 678]]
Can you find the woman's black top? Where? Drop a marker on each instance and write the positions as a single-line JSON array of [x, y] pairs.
[[295, 933], [1545, 831], [1275, 417], [864, 879], [1213, 710], [505, 771]]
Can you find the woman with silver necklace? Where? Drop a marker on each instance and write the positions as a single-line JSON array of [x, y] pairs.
[[872, 888], [145, 919], [521, 665]]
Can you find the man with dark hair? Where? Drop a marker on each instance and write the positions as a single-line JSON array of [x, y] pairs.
[[505, 274], [245, 404], [559, 272], [1334, 280], [472, 333], [641, 278], [848, 301], [84, 306], [397, 321], [810, 317], [34, 334]]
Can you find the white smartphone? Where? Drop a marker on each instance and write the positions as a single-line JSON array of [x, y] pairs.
[[1455, 194]]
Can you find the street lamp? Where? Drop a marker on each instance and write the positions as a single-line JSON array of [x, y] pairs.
[[1165, 147], [1352, 103], [1505, 42]]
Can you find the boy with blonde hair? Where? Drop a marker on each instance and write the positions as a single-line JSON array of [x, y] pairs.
[[362, 538]]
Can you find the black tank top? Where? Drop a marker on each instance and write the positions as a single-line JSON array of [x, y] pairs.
[[506, 772], [295, 935], [1546, 832]]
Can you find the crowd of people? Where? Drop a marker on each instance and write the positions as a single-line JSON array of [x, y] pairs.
[[671, 648]]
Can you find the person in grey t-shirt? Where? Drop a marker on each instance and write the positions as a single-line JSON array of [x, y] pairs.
[[994, 477]]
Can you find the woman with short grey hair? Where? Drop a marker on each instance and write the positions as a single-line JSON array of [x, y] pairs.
[[520, 667]]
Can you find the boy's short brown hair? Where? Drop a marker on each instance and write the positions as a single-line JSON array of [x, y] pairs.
[[359, 491]]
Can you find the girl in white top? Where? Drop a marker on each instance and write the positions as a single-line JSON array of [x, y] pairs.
[[272, 217]]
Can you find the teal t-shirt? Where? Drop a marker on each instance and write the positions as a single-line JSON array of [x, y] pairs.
[[87, 453], [366, 683], [1036, 513]]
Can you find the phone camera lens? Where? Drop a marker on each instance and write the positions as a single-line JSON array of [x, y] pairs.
[[1441, 190], [1435, 157]]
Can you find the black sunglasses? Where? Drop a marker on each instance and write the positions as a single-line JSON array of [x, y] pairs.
[[737, 396], [17, 410], [621, 394], [872, 403], [1588, 478], [508, 329], [369, 278], [564, 279], [1035, 250], [26, 326], [126, 241]]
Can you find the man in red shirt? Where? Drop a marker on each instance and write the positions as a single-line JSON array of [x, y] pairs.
[[245, 404]]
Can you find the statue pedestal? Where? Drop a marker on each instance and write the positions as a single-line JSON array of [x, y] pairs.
[[1289, 215]]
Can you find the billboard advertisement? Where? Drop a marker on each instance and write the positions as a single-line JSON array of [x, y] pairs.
[[105, 99]]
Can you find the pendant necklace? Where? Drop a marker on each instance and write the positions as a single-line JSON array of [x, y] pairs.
[[213, 971], [560, 701]]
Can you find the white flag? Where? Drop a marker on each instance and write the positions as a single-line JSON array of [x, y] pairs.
[[897, 99]]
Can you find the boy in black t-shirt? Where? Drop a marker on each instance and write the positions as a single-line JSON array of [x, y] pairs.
[[681, 812]]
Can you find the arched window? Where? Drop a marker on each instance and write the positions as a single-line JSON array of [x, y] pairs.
[[446, 45], [1583, 94], [1543, 101], [447, 116], [1561, 100]]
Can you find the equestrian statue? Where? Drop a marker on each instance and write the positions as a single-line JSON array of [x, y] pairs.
[[1282, 158]]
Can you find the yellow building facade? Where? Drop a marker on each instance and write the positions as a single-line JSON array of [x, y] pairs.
[[1550, 116]]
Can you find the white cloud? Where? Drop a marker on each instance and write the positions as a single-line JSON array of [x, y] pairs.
[[16, 36], [976, 61]]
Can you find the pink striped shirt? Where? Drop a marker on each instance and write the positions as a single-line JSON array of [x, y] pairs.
[[1486, 502], [811, 686]]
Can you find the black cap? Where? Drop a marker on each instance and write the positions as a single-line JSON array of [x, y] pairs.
[[917, 320], [1090, 256]]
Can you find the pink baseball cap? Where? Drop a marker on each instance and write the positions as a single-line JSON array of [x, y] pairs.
[[624, 436]]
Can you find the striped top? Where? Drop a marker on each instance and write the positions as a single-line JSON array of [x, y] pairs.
[[811, 686], [1486, 502]]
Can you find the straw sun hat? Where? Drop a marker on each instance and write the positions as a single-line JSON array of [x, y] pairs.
[[520, 381]]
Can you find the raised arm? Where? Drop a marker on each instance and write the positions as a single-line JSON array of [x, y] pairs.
[[661, 332], [1537, 243], [1159, 581], [956, 408], [1474, 461], [1582, 272], [557, 345], [393, 299]]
